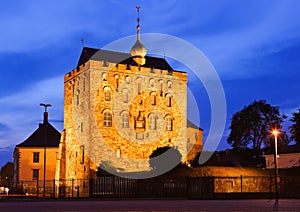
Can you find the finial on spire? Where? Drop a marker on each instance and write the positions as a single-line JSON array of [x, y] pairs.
[[138, 51], [138, 11]]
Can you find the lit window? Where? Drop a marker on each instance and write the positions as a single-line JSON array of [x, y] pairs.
[[36, 157], [153, 122], [104, 77], [161, 87], [119, 153], [107, 119], [169, 84], [127, 79], [169, 101], [35, 174], [125, 120], [117, 81], [107, 94], [169, 124]]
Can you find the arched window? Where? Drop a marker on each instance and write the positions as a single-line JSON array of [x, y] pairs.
[[107, 94], [125, 120], [169, 100], [153, 98], [169, 84], [107, 119], [127, 80], [169, 123], [153, 122], [151, 81], [104, 76], [161, 87], [117, 81], [139, 85], [125, 95]]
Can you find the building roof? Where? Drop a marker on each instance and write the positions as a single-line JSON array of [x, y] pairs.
[[120, 58], [44, 132], [285, 150], [190, 124]]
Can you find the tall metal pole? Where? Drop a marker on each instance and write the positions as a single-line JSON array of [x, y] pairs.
[[275, 132], [45, 141]]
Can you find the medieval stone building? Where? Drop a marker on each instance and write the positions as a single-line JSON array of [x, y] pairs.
[[118, 109]]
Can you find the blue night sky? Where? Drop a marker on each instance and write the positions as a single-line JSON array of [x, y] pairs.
[[253, 46]]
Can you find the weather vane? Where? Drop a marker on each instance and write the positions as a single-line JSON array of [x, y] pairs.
[[138, 10]]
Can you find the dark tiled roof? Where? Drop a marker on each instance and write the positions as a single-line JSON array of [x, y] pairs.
[[37, 138], [285, 150], [192, 125], [120, 58]]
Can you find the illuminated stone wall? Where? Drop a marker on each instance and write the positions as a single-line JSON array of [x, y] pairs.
[[134, 97]]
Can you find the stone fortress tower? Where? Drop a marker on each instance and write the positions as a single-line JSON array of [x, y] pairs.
[[119, 108]]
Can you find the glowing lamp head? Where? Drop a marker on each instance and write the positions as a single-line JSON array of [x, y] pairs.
[[275, 132]]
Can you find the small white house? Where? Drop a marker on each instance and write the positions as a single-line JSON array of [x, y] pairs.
[[288, 157]]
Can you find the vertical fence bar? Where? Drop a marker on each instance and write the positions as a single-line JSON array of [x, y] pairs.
[[72, 188], [241, 186], [37, 188]]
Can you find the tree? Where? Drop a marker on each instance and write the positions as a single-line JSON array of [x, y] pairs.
[[295, 127], [252, 126]]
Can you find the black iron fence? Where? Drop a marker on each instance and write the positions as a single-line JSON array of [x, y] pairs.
[[241, 187]]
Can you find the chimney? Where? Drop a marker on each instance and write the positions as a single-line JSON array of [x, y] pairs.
[[45, 117]]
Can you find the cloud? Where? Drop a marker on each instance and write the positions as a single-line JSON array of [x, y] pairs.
[[21, 112]]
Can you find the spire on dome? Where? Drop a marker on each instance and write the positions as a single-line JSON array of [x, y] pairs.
[[138, 50]]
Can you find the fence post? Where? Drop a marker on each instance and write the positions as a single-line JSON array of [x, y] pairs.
[[37, 188], [241, 186], [72, 187]]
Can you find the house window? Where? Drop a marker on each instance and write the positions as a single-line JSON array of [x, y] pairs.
[[35, 174], [153, 98], [107, 119], [152, 122], [36, 157], [125, 120], [169, 124]]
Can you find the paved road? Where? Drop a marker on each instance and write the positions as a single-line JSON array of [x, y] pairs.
[[149, 205]]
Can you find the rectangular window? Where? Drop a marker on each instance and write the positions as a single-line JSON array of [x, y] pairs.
[[35, 174], [36, 157]]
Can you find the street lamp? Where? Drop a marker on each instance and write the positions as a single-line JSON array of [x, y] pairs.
[[275, 133], [45, 138]]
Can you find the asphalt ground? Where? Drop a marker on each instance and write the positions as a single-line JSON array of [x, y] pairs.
[[149, 205]]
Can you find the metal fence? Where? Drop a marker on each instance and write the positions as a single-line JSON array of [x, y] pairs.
[[242, 187]]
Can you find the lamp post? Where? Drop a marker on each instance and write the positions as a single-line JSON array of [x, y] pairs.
[[45, 138], [275, 133]]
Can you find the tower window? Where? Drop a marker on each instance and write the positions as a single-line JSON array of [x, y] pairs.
[[169, 124], [107, 94], [152, 122], [161, 87], [104, 76], [153, 98], [125, 120], [169, 101], [117, 81], [125, 95], [107, 119]]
